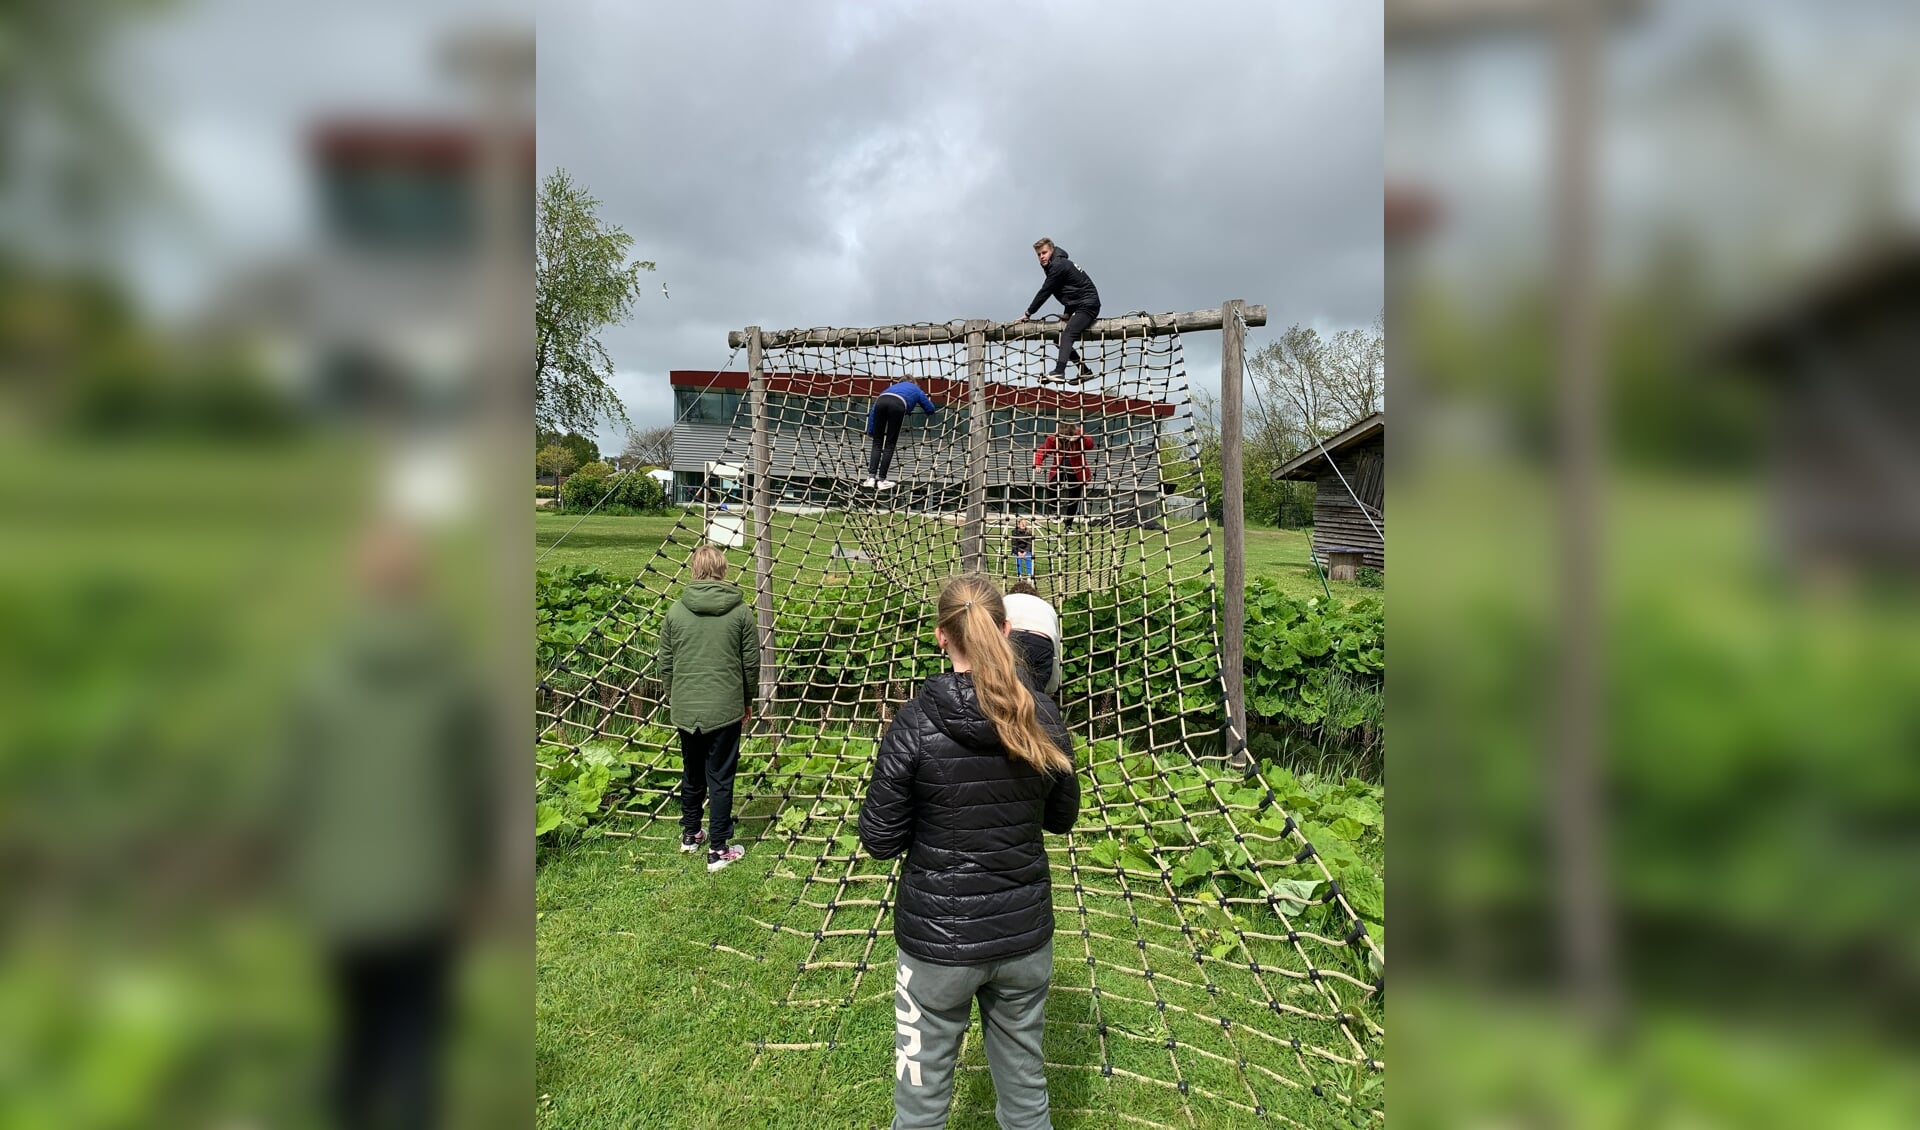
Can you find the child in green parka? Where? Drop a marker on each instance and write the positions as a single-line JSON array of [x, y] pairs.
[[709, 663]]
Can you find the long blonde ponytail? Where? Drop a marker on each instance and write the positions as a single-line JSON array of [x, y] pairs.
[[974, 618]]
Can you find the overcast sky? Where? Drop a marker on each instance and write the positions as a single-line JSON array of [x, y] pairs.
[[856, 163]]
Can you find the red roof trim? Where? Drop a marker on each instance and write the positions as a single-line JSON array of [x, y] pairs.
[[429, 144], [942, 390]]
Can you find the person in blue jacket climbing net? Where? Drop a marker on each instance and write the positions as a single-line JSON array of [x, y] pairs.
[[889, 411]]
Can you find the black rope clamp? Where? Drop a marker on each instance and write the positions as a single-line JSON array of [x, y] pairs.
[[1170, 1045], [1333, 892], [1254, 967], [1106, 1070], [1306, 853], [1182, 1084], [1287, 828], [1358, 933]]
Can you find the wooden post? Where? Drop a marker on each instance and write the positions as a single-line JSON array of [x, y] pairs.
[[762, 517], [973, 543], [1233, 508], [1579, 822]]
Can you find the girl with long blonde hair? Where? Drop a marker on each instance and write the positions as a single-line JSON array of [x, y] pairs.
[[968, 779]]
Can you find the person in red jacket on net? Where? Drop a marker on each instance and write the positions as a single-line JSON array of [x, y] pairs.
[[1068, 476]]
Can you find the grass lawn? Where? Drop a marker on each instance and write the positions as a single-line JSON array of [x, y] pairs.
[[624, 546], [644, 1021]]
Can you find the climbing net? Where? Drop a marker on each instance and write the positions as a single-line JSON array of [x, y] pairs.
[[1213, 967]]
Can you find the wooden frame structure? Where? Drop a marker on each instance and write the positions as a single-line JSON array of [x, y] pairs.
[[1231, 318]]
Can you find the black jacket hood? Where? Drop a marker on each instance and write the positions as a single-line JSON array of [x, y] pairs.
[[953, 706]]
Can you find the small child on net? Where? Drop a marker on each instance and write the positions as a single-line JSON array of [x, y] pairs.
[[1022, 541]]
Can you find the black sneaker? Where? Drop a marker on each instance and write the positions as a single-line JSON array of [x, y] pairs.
[[718, 859], [693, 842]]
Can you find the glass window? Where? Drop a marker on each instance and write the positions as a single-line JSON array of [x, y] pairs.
[[713, 406], [399, 205]]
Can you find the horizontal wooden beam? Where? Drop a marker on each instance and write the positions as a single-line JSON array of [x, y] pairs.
[[1128, 325]]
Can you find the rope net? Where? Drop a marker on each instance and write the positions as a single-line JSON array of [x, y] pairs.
[[1210, 967]]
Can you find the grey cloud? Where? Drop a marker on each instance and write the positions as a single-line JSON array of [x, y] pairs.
[[856, 164]]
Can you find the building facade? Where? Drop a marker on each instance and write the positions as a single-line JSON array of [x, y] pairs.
[[817, 441]]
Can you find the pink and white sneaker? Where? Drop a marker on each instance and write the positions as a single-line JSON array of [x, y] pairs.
[[693, 842], [719, 858]]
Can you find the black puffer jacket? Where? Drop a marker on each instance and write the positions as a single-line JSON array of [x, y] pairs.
[[1067, 282], [976, 887]]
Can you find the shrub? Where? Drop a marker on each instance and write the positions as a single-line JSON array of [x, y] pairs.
[[567, 602], [543, 490], [637, 491], [598, 488], [1367, 577]]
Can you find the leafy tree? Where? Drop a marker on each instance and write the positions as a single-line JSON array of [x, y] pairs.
[[556, 461], [583, 284], [584, 449]]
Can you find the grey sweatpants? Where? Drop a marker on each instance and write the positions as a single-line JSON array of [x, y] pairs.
[[932, 1005]]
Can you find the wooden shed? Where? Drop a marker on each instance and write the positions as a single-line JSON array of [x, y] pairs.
[[1350, 496], [1837, 356]]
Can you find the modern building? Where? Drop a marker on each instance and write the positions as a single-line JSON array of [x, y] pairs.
[[375, 313], [817, 440]]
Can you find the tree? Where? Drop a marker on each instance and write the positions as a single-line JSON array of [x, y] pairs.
[[1307, 387], [583, 284], [557, 461], [648, 447], [584, 449]]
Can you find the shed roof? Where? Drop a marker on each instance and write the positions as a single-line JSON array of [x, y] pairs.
[[1871, 270], [1302, 466]]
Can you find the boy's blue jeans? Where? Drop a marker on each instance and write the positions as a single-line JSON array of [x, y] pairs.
[[1023, 564]]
